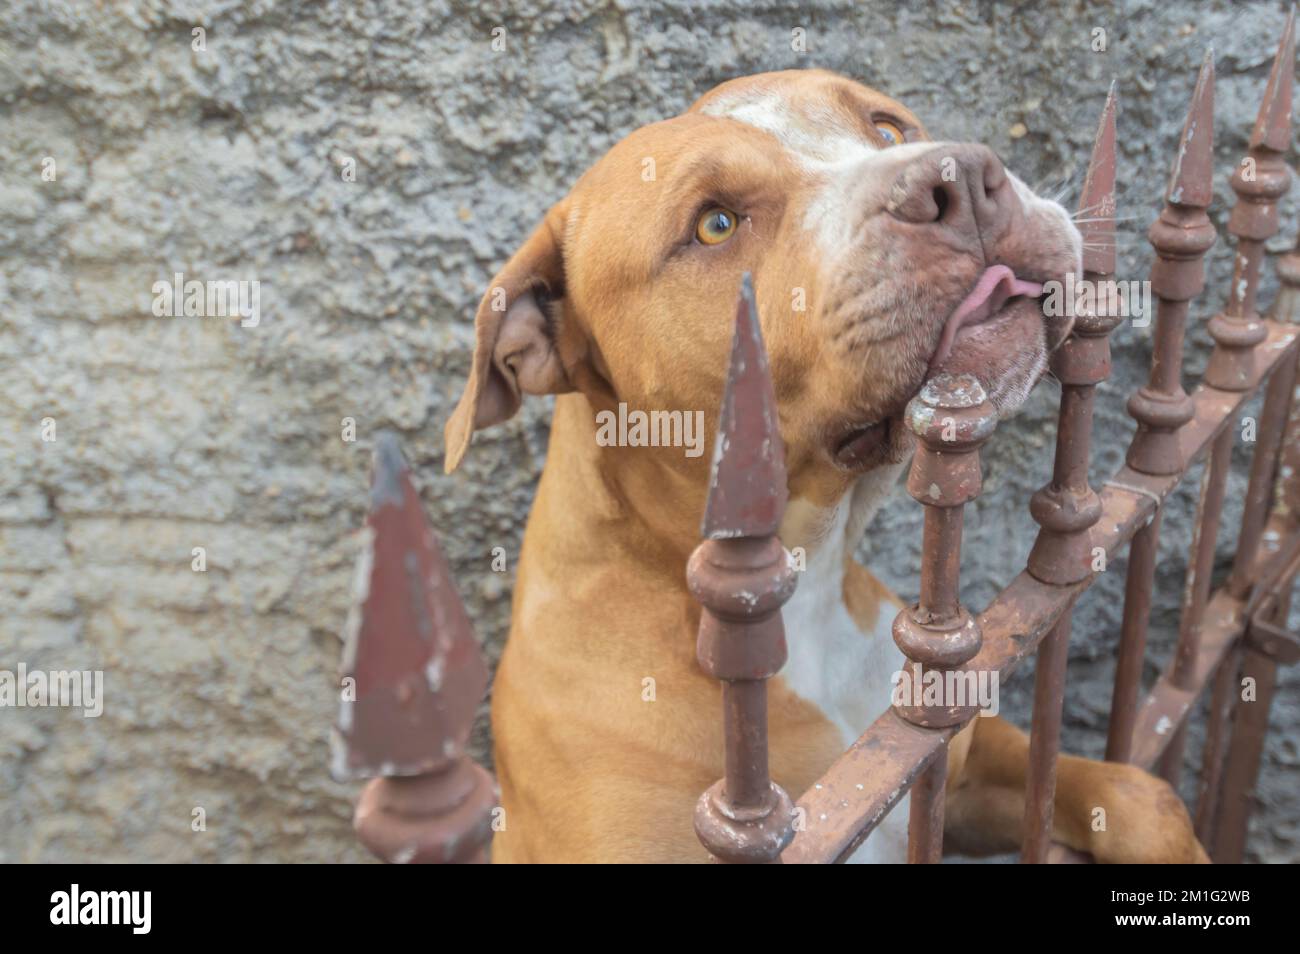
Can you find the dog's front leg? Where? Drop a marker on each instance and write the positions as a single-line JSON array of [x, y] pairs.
[[1117, 813]]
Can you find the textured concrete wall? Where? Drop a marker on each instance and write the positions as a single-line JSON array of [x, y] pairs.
[[175, 433]]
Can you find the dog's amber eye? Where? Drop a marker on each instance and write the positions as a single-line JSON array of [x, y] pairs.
[[893, 135], [715, 225]]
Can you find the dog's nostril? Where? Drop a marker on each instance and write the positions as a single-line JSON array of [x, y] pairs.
[[940, 195], [995, 175]]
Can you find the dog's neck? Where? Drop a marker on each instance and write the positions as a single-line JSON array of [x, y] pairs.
[[603, 506], [646, 516]]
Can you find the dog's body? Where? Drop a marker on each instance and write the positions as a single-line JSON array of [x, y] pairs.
[[878, 258]]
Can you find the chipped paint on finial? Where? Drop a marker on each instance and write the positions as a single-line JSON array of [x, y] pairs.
[[1190, 183], [416, 672], [953, 391], [747, 486]]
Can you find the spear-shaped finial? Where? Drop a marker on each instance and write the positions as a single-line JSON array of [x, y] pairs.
[[417, 672], [1191, 182], [1273, 124], [413, 677], [747, 492], [1097, 202]]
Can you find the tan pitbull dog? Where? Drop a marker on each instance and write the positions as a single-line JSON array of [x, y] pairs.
[[908, 256]]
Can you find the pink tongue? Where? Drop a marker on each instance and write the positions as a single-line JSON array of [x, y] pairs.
[[996, 285]]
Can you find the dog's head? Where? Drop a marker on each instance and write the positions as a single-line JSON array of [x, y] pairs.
[[879, 257]]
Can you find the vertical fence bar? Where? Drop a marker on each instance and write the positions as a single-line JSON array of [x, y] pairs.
[[951, 417], [416, 679], [741, 575], [1067, 507], [925, 816], [1263, 474], [1286, 308], [1181, 235], [1132, 639], [1196, 590], [1260, 181], [1044, 742], [1207, 798], [1269, 142], [1242, 766], [1228, 814]]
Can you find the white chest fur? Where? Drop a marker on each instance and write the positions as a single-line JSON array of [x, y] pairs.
[[843, 670]]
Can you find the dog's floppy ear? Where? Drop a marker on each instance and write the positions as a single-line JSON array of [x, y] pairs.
[[514, 350]]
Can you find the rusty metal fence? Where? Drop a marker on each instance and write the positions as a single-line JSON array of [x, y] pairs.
[[414, 675]]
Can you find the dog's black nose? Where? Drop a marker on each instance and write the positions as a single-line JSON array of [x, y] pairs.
[[962, 187]]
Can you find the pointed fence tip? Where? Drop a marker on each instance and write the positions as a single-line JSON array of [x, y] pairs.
[[418, 672], [747, 491], [1112, 98], [388, 466], [1273, 124], [1191, 181], [747, 288], [1097, 200]]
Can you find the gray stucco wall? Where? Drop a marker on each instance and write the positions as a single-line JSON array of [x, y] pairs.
[[175, 433]]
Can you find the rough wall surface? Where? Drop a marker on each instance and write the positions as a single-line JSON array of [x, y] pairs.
[[231, 163]]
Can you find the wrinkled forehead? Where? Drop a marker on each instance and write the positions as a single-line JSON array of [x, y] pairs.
[[815, 114], [810, 115]]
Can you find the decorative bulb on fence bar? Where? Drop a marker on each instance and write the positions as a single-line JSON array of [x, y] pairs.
[[951, 417]]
